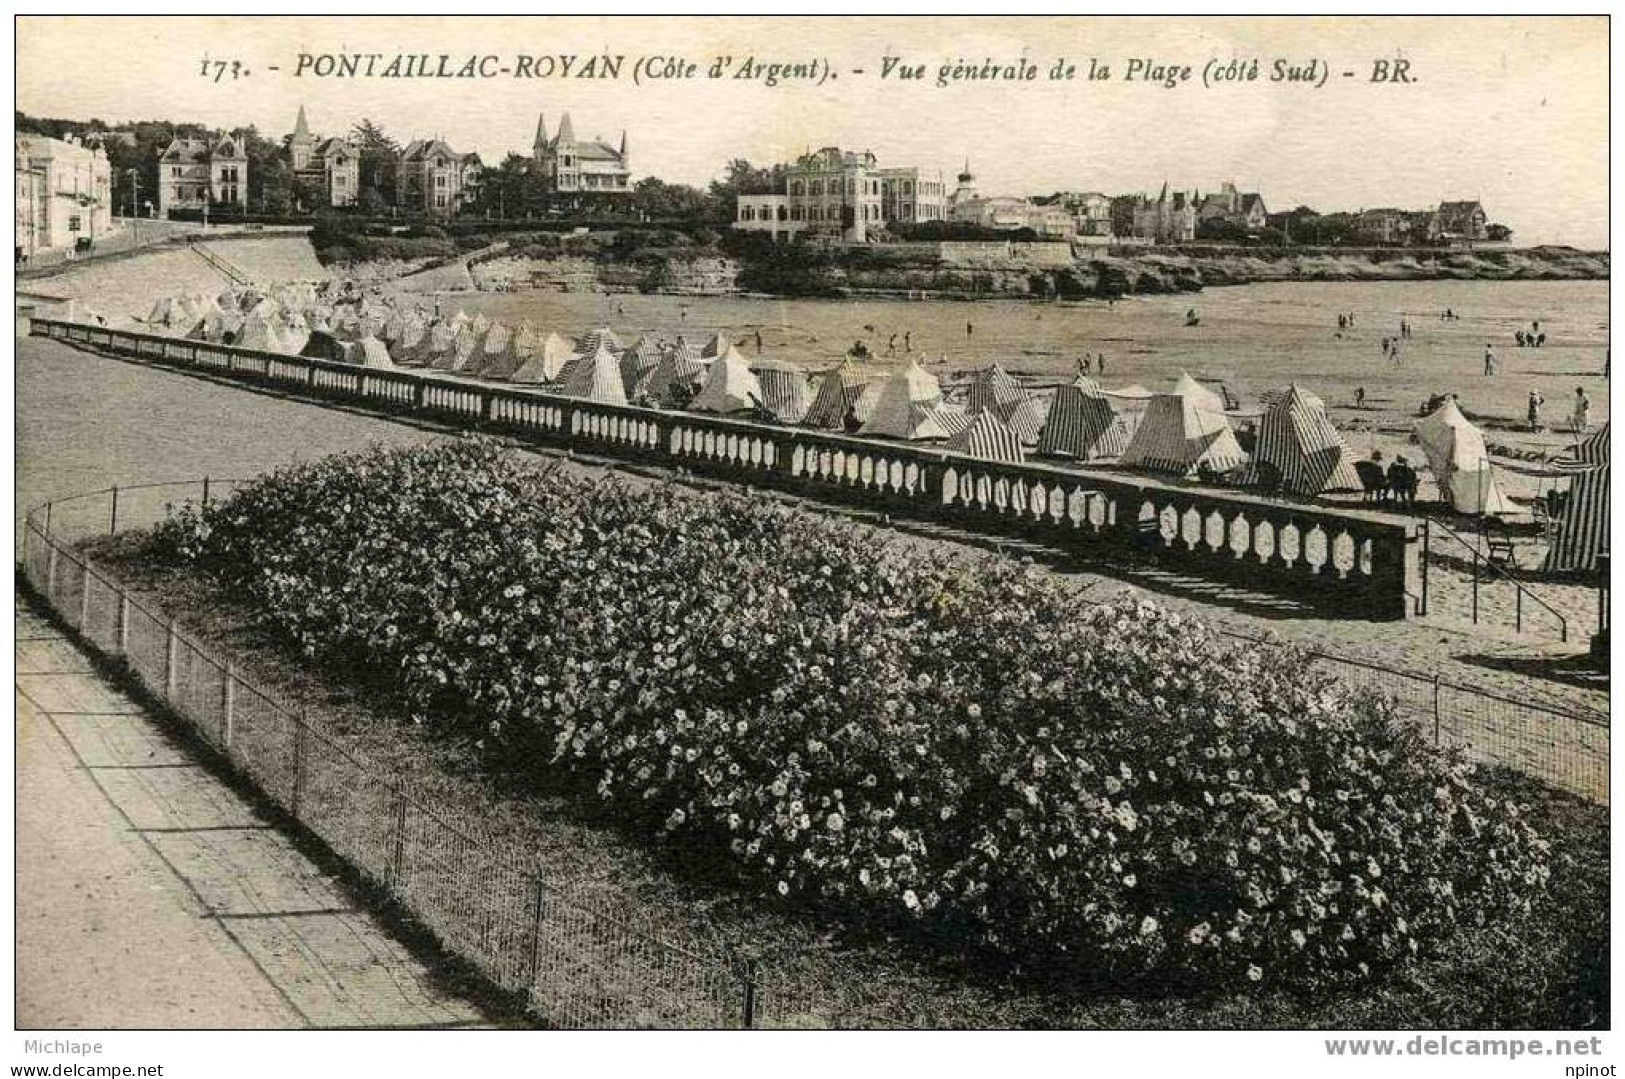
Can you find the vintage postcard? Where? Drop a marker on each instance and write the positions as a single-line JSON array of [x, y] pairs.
[[865, 523]]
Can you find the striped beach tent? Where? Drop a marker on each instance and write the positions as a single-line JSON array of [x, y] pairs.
[[988, 438], [676, 377], [896, 414], [414, 336], [1460, 461], [1008, 398], [259, 332], [595, 377], [730, 386], [495, 356], [638, 362], [785, 394], [481, 323], [1297, 441], [371, 352], [440, 347], [1178, 437], [588, 343], [463, 350], [838, 393], [546, 361], [1082, 424], [1582, 529]]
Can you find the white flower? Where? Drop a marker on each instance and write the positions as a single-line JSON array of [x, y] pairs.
[[910, 900], [1148, 926], [1254, 974], [784, 889]]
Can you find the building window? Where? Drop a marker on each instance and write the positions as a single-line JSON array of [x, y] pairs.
[[73, 223], [440, 200]]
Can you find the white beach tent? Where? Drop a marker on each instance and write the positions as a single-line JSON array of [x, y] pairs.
[[439, 347], [1460, 461], [1582, 527], [1198, 394], [371, 352], [906, 406], [546, 362], [1177, 436], [730, 386], [1296, 439], [1082, 424]]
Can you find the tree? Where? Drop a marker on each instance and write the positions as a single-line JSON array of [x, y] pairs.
[[655, 199], [743, 178], [378, 154], [1499, 233]]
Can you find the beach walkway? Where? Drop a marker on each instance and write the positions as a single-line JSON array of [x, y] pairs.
[[151, 895]]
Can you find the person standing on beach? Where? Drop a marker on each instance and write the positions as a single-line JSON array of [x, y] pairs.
[[1535, 401], [1582, 410], [1083, 364], [908, 340], [969, 329], [1489, 359], [1100, 364], [758, 342]]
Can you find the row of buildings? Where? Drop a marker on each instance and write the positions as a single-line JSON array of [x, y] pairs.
[[430, 178], [64, 190]]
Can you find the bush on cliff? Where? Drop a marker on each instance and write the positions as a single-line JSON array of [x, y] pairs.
[[945, 741]]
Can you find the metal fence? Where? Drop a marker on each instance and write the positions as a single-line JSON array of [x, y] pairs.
[[580, 959]]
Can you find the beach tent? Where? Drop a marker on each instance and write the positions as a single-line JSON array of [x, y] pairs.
[[995, 390], [837, 397], [546, 361], [716, 347], [1082, 424], [413, 338], [1198, 394], [1177, 436], [1297, 440], [371, 352], [1132, 392], [730, 386], [463, 351], [1582, 527], [439, 348], [1460, 461], [596, 377], [676, 375], [638, 362], [589, 342], [785, 394], [906, 406], [481, 322], [324, 346], [988, 438], [490, 359]]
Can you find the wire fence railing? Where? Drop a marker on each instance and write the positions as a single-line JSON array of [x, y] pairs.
[[577, 957]]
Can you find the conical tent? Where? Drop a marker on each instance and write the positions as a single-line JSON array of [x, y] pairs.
[[439, 351], [717, 347], [1582, 528], [414, 337], [784, 389], [1082, 424], [675, 377], [1199, 395], [1008, 398], [546, 362], [595, 378], [1297, 441], [895, 414], [987, 438], [638, 362], [492, 358], [1178, 437], [838, 393], [730, 386], [1460, 461], [371, 352], [589, 342], [463, 352], [259, 332], [480, 323]]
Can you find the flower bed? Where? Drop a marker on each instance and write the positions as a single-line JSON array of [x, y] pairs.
[[943, 740]]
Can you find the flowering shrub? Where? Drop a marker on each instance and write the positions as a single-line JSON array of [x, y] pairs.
[[944, 739]]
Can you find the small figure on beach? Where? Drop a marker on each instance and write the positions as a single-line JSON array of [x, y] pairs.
[[1582, 409], [1519, 338], [1083, 364], [891, 345], [1359, 397], [969, 329], [758, 342], [1100, 363], [1402, 482], [1191, 318], [1535, 401], [908, 340], [1342, 322], [1386, 347], [1489, 359]]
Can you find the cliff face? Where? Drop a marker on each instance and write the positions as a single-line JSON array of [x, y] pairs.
[[911, 272]]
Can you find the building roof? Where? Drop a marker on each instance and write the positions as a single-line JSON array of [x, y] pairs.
[[420, 149]]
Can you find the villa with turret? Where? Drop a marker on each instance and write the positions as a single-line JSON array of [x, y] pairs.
[[569, 165], [328, 170]]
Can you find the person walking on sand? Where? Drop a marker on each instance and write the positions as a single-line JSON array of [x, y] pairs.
[[1100, 364], [908, 341], [1359, 397], [758, 342], [1582, 410], [1535, 401], [969, 329], [1489, 359]]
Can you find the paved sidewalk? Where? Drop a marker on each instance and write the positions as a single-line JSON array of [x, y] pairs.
[[149, 894]]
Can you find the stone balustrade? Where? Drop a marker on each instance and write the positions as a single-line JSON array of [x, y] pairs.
[[1358, 563]]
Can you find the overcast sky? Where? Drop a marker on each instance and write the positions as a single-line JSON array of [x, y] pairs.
[[1513, 112]]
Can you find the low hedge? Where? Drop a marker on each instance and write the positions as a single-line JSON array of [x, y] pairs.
[[945, 740]]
